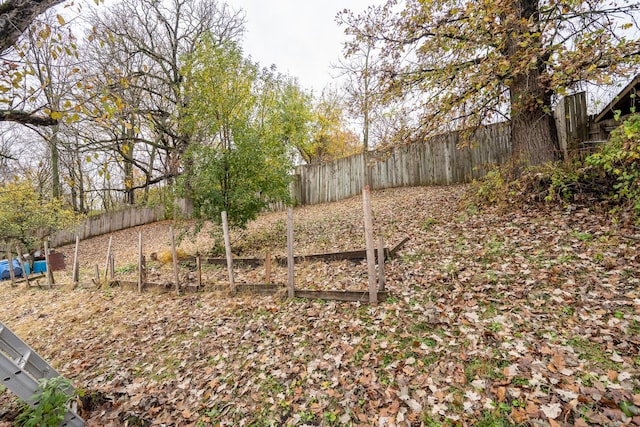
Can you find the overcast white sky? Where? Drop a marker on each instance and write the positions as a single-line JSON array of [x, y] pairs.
[[301, 37]]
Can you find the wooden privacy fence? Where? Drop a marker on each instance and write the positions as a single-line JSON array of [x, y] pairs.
[[437, 161], [109, 222]]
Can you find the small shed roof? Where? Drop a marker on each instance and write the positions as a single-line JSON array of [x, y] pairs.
[[623, 101]]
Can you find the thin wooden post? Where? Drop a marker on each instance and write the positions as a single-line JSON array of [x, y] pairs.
[[21, 261], [198, 271], [12, 276], [140, 262], [368, 234], [106, 263], [291, 290], [76, 264], [227, 247], [267, 267], [50, 280], [97, 279], [381, 257], [175, 260], [112, 267]]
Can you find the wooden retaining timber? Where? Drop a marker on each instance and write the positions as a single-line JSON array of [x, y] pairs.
[[355, 256], [348, 296], [251, 262], [269, 289]]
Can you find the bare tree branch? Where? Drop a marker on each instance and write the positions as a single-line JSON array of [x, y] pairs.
[[26, 118]]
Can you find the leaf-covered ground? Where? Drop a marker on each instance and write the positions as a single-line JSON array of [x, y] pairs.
[[528, 317]]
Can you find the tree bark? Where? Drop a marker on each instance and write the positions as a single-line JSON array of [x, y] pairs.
[[25, 117], [533, 133], [56, 187], [17, 15]]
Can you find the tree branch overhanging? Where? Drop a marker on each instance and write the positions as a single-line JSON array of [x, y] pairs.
[[26, 118], [17, 15]]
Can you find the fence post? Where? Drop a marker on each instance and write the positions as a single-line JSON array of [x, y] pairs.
[[381, 258], [198, 271], [227, 247], [21, 261], [291, 290], [76, 264], [368, 234], [50, 280], [140, 263], [175, 261], [267, 267], [106, 264], [11, 273]]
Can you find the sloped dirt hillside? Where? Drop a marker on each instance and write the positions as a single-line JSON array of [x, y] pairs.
[[527, 317]]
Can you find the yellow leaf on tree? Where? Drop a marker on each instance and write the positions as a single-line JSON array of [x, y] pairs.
[[61, 20]]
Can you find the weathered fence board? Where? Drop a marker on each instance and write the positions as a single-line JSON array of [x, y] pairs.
[[438, 161], [109, 222]]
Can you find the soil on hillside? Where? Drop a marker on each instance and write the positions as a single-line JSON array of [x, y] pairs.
[[526, 316]]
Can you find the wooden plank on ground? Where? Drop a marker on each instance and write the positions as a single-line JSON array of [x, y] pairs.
[[392, 253], [249, 288], [331, 256], [355, 296], [253, 262], [357, 255]]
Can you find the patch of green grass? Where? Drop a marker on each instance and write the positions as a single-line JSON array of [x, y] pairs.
[[593, 352], [330, 418], [429, 421], [307, 417], [127, 268], [420, 327], [583, 237], [412, 257], [495, 327], [426, 225], [520, 381], [429, 342], [429, 359], [587, 379], [475, 368], [271, 386], [495, 419]]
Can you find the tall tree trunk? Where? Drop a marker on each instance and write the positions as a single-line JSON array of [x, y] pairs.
[[55, 162], [533, 133]]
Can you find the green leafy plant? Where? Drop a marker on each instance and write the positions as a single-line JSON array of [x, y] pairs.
[[618, 163], [50, 404]]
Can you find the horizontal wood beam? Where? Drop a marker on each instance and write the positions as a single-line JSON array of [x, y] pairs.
[[353, 296]]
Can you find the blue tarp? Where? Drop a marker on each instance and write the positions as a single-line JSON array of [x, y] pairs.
[[4, 269]]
